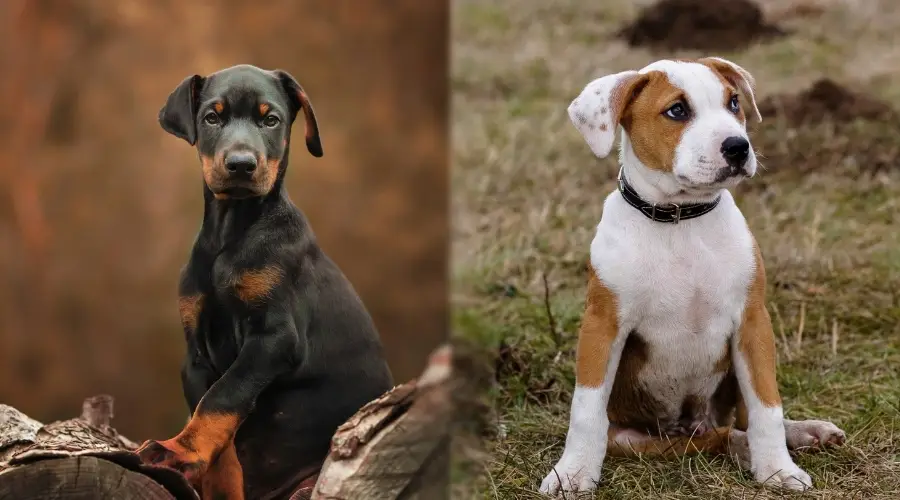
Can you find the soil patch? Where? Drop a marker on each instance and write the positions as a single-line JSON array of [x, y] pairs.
[[825, 133], [712, 25], [826, 99]]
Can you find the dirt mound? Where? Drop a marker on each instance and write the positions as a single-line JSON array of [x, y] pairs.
[[699, 25], [826, 99]]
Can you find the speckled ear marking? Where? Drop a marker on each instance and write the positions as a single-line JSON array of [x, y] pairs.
[[597, 110]]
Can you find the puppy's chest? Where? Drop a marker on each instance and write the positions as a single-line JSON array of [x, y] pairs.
[[682, 287], [677, 284], [693, 298], [215, 319], [681, 292]]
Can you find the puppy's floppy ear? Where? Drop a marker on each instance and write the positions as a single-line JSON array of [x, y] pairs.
[[178, 117], [597, 110], [738, 76], [300, 101]]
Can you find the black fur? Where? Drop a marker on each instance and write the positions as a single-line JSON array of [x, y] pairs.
[[294, 363]]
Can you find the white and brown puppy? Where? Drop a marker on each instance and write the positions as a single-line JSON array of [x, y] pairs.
[[676, 353]]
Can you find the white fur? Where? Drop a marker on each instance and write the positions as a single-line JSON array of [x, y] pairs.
[[683, 287], [769, 457]]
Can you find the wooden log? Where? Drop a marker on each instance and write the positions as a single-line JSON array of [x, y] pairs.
[[396, 447], [80, 477], [80, 458]]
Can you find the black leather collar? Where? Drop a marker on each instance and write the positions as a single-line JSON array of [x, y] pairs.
[[669, 212]]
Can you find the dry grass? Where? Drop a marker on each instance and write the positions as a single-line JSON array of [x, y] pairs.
[[825, 210]]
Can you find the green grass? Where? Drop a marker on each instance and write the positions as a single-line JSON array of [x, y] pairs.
[[528, 195]]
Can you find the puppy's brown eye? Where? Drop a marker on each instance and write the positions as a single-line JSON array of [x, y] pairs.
[[678, 112], [271, 121], [734, 104], [211, 118]]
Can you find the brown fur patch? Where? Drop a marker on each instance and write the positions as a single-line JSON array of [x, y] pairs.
[[736, 79], [263, 109], [189, 309], [756, 339], [312, 128], [724, 399], [267, 178], [255, 285], [208, 163], [208, 434], [225, 478], [630, 405], [713, 441], [730, 87], [724, 363], [219, 107], [599, 328], [212, 173], [174, 453], [623, 94], [654, 137], [741, 420]]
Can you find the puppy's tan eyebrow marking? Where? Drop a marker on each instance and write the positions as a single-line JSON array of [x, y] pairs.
[[263, 108], [219, 107], [675, 98]]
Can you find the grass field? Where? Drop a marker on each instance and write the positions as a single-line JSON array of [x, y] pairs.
[[825, 209]]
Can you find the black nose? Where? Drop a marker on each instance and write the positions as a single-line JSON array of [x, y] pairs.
[[240, 163], [735, 150]]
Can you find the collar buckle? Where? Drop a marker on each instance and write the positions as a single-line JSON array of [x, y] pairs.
[[676, 212]]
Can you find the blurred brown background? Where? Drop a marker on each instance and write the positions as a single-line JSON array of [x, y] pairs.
[[99, 207]]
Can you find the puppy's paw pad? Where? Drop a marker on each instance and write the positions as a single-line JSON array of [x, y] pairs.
[[173, 455], [789, 477], [572, 474]]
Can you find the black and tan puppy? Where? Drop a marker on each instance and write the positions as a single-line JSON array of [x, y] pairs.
[[281, 350]]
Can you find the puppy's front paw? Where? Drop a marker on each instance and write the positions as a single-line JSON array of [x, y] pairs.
[[786, 475], [813, 434], [574, 472], [173, 455]]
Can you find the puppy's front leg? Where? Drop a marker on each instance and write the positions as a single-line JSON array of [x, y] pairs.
[[753, 351], [600, 347], [269, 351]]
